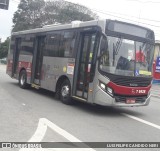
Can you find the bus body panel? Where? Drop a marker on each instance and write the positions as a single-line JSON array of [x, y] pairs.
[[25, 62], [9, 64], [101, 97], [53, 68]]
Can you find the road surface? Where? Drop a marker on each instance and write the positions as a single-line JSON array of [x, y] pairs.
[[34, 115]]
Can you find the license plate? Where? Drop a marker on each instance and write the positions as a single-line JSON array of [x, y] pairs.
[[131, 101]]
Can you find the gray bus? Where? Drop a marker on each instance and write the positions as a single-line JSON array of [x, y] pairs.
[[105, 62]]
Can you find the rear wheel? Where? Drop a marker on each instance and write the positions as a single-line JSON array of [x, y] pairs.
[[23, 80], [65, 92]]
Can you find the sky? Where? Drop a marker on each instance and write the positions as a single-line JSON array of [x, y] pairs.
[[141, 12]]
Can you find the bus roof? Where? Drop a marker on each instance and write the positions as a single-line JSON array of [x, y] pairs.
[[74, 24]]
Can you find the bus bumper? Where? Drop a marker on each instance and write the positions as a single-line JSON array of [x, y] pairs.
[[102, 98]]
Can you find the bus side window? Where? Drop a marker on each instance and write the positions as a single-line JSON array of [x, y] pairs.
[[52, 48], [12, 45], [27, 45], [69, 43], [60, 44], [104, 52]]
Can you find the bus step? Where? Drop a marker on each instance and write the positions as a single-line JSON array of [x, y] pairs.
[[36, 81], [79, 98], [33, 85]]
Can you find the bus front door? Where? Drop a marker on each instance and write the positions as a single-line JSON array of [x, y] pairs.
[[83, 65], [38, 59], [16, 56]]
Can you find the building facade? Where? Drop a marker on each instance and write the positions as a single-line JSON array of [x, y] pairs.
[[156, 63]]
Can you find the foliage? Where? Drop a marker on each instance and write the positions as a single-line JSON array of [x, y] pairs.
[[37, 13], [28, 14], [4, 46]]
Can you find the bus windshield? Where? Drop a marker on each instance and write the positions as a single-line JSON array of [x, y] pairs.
[[127, 57]]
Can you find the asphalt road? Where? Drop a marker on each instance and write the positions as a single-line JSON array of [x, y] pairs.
[[24, 115]]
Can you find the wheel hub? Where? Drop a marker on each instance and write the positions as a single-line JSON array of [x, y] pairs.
[[65, 91], [22, 79]]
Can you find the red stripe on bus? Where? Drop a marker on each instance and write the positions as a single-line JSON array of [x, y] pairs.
[[124, 90], [9, 65]]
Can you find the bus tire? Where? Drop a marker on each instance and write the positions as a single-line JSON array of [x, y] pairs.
[[65, 92], [23, 80], [57, 93]]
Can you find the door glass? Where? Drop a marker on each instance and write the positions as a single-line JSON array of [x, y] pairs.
[[39, 58], [86, 57], [16, 55], [82, 70], [90, 57]]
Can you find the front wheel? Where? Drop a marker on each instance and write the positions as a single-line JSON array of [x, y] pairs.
[[23, 80], [65, 92]]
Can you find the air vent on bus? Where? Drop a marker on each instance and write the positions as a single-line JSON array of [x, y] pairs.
[[122, 99], [76, 23], [130, 81]]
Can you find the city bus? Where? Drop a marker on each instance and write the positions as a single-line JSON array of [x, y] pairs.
[[104, 62]]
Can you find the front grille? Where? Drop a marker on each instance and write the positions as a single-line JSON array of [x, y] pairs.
[[129, 81], [122, 99]]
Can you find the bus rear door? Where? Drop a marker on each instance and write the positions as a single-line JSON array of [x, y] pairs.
[[38, 59], [16, 53]]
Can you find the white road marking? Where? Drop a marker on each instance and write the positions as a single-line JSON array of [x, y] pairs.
[[142, 121], [60, 131], [41, 131]]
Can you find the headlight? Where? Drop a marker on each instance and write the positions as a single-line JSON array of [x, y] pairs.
[[102, 85], [106, 88], [109, 90]]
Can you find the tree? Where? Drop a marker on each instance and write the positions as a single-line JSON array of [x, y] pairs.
[[37, 13], [4, 48], [60, 11], [28, 15]]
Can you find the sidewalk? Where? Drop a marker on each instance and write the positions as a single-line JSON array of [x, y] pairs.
[[2, 66], [155, 90]]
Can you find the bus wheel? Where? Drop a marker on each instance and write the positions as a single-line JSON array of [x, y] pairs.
[[23, 80], [65, 92]]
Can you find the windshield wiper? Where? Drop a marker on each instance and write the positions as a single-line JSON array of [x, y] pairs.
[[116, 48]]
